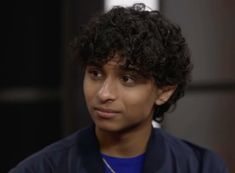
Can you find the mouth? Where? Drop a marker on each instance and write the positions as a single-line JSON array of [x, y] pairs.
[[106, 113]]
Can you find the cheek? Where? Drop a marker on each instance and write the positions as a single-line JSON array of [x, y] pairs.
[[140, 103], [88, 90]]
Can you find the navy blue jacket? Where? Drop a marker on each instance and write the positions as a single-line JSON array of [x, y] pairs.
[[79, 153]]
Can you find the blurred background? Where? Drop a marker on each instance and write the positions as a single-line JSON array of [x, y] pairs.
[[41, 97]]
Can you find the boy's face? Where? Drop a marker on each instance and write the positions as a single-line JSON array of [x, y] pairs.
[[119, 99]]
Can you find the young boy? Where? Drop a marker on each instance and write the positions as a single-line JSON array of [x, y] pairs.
[[136, 66]]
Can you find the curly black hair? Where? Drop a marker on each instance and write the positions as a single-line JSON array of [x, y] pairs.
[[146, 40]]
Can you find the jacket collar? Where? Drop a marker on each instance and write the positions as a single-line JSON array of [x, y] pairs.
[[154, 159], [155, 153], [90, 151]]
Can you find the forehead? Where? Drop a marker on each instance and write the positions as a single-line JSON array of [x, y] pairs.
[[115, 62]]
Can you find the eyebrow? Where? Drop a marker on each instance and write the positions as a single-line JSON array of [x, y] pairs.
[[130, 68], [121, 67]]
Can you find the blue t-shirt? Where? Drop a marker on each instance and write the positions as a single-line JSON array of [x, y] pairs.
[[124, 165]]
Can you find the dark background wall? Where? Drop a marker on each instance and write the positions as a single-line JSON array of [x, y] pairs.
[[30, 77], [41, 97], [39, 85]]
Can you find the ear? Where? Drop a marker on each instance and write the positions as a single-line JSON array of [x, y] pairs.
[[164, 94]]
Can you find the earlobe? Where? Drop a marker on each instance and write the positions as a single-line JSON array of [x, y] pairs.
[[164, 94]]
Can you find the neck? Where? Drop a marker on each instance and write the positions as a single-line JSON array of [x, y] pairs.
[[124, 144]]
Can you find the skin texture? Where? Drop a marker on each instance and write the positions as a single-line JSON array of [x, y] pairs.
[[121, 104]]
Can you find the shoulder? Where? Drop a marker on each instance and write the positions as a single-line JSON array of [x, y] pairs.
[[53, 156], [191, 155]]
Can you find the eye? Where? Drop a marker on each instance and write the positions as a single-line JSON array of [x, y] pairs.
[[94, 73], [128, 80]]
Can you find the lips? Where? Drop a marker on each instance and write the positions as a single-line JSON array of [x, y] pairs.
[[106, 113]]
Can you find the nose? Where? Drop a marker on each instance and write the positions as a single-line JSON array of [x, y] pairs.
[[107, 91]]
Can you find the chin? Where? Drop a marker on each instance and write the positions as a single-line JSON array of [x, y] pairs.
[[115, 128], [107, 127]]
